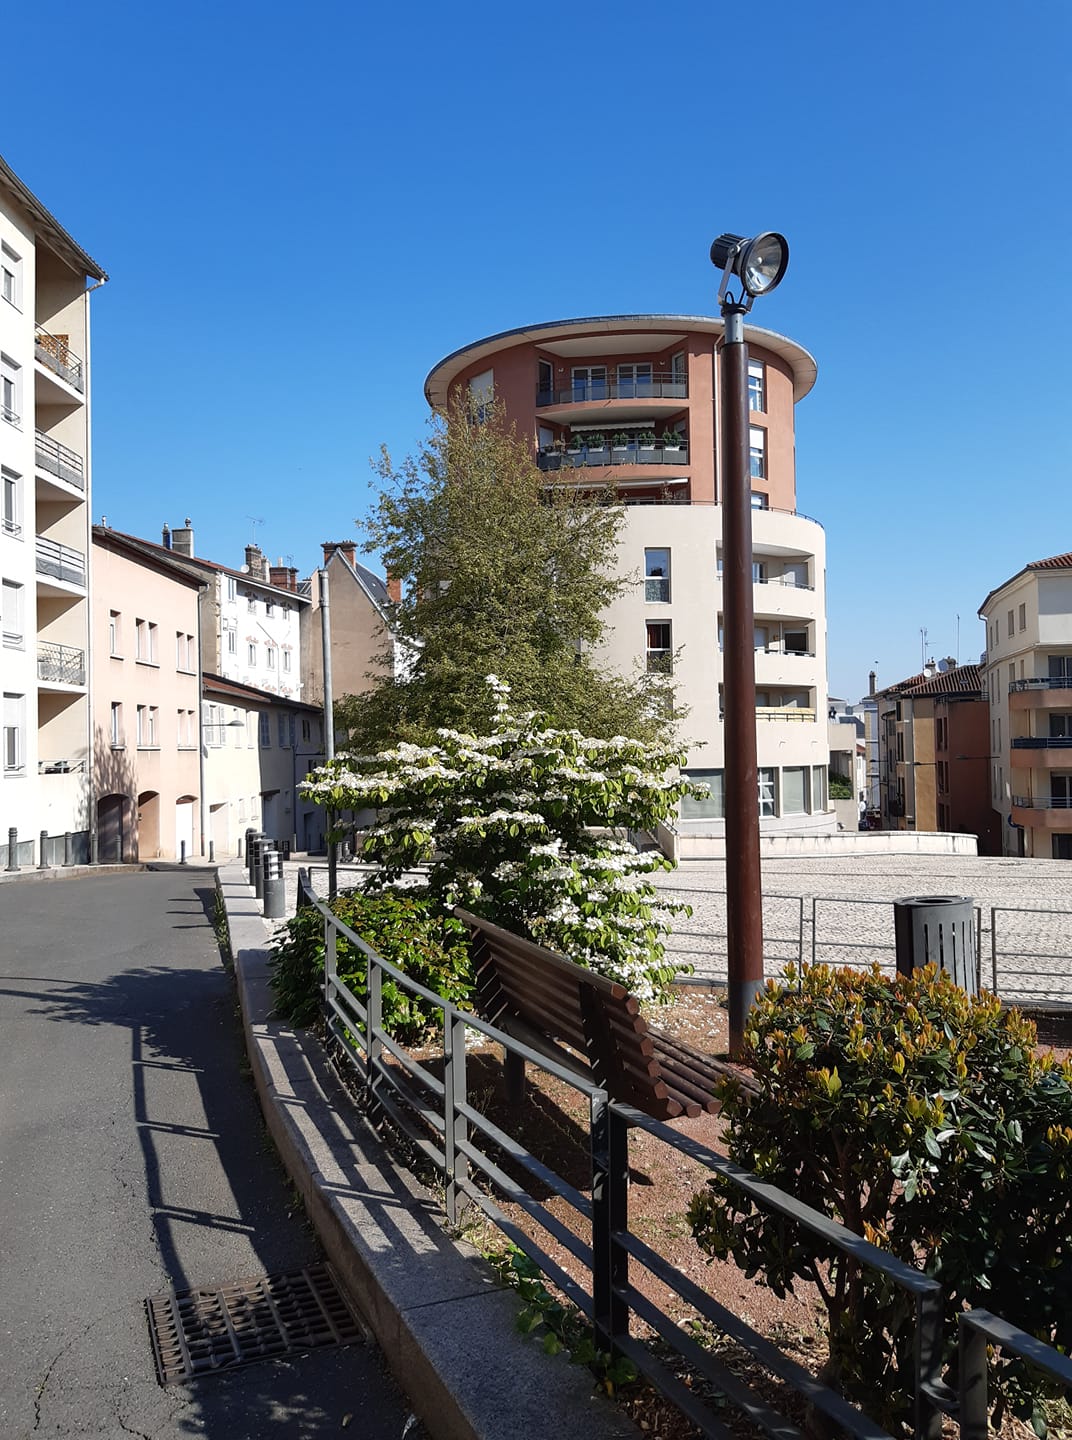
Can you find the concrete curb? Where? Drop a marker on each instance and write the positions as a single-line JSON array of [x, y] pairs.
[[444, 1321]]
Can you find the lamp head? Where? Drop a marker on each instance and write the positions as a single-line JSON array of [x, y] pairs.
[[758, 263]]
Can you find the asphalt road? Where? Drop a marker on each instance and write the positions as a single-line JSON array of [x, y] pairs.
[[132, 1157]]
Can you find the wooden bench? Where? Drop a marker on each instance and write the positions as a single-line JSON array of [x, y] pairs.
[[586, 1022]]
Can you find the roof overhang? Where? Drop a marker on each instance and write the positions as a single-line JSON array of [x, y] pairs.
[[48, 226], [613, 334]]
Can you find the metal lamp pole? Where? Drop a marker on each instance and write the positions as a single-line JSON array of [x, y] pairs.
[[759, 264]]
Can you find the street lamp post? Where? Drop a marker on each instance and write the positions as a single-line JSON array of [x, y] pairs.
[[758, 265]]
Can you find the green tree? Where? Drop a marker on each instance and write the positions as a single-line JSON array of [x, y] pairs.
[[499, 572]]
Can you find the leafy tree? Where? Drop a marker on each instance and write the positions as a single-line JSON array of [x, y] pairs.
[[522, 826], [499, 571], [922, 1118]]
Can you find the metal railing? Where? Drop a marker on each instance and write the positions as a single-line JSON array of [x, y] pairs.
[[61, 767], [62, 664], [60, 562], [1048, 742], [54, 352], [613, 455], [1054, 682], [11, 527], [661, 386], [440, 1118], [58, 460], [1049, 802], [787, 581], [1004, 948]]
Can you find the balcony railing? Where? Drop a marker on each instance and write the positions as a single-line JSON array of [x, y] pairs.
[[631, 454], [659, 387], [1058, 682], [778, 712], [62, 664], [60, 562], [61, 767], [1042, 802], [59, 461], [54, 352], [1051, 742]]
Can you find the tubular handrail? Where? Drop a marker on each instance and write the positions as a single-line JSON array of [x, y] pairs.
[[54, 351]]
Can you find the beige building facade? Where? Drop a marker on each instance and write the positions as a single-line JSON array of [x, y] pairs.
[[1028, 677], [359, 625], [146, 704], [632, 402], [45, 429]]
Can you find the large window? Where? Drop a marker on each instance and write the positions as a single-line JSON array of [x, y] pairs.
[[1060, 727], [12, 502], [795, 790], [660, 655], [757, 385], [634, 380], [713, 806], [656, 575], [589, 382], [818, 788], [757, 452], [1059, 667]]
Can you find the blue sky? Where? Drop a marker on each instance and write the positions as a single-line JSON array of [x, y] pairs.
[[302, 210]]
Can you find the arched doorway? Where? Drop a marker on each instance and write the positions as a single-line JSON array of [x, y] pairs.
[[148, 825], [115, 816]]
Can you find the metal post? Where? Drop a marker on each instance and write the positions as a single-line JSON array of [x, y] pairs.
[[744, 894], [42, 863], [182, 852], [260, 845], [610, 1215], [456, 1128], [66, 847], [13, 848], [273, 886], [972, 1382], [212, 852], [329, 721]]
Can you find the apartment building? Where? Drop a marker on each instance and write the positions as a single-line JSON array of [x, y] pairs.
[[146, 703], [1028, 676], [45, 282], [933, 754], [359, 624], [632, 401]]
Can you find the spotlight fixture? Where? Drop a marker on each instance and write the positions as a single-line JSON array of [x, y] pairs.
[[759, 263]]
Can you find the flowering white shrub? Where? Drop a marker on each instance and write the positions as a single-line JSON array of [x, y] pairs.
[[523, 826]]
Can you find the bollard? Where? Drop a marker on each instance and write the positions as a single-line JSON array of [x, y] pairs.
[[182, 852], [13, 848], [261, 843], [212, 852], [42, 842], [273, 886], [938, 928], [252, 858], [66, 847]]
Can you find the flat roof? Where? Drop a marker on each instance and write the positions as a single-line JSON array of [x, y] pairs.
[[440, 377]]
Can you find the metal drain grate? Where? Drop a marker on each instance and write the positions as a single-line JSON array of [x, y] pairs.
[[195, 1332]]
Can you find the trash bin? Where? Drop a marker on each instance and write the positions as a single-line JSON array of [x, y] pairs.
[[938, 929]]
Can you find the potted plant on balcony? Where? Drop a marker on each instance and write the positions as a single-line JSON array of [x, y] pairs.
[[597, 448], [646, 444], [672, 443], [620, 447]]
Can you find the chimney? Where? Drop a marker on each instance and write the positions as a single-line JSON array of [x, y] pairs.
[[930, 669], [285, 576], [346, 548], [394, 589], [182, 539], [165, 537], [255, 562], [871, 683]]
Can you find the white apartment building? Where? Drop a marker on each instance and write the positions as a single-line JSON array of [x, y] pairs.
[[45, 282], [1028, 677]]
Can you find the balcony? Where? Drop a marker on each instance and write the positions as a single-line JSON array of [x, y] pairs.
[[60, 664], [1060, 682], [54, 353], [631, 454], [1048, 693], [582, 392], [1042, 812], [55, 459], [60, 562]]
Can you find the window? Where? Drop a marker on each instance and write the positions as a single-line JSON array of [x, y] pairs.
[[14, 734], [634, 381], [232, 642], [241, 807], [269, 607], [759, 500], [757, 452], [187, 730], [941, 726], [265, 729], [656, 575], [251, 603], [1009, 622], [481, 394], [1012, 676], [766, 792], [12, 501], [757, 385], [943, 777], [11, 611], [114, 633], [145, 642], [10, 390], [184, 651], [148, 726], [251, 653], [232, 589], [545, 382], [760, 638], [795, 790], [115, 726], [143, 725], [759, 572], [270, 656], [1059, 667], [818, 788], [589, 382], [306, 730], [1061, 792], [713, 807], [795, 642], [283, 731], [1021, 617], [659, 649], [286, 660], [10, 276], [1061, 727]]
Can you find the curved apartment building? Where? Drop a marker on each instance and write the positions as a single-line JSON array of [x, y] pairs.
[[632, 400]]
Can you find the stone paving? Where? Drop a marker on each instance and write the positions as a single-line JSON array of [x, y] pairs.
[[1025, 910]]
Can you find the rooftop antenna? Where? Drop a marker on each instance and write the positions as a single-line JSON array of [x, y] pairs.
[[922, 646], [958, 640], [255, 520]]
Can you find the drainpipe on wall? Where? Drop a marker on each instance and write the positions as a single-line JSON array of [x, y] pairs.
[[202, 590]]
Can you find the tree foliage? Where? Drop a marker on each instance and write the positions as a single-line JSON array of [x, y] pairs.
[[499, 571], [919, 1117], [525, 826]]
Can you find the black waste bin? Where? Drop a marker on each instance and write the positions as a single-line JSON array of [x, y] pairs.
[[937, 929]]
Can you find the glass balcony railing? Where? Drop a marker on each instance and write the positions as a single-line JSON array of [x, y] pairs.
[[631, 454], [580, 392]]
